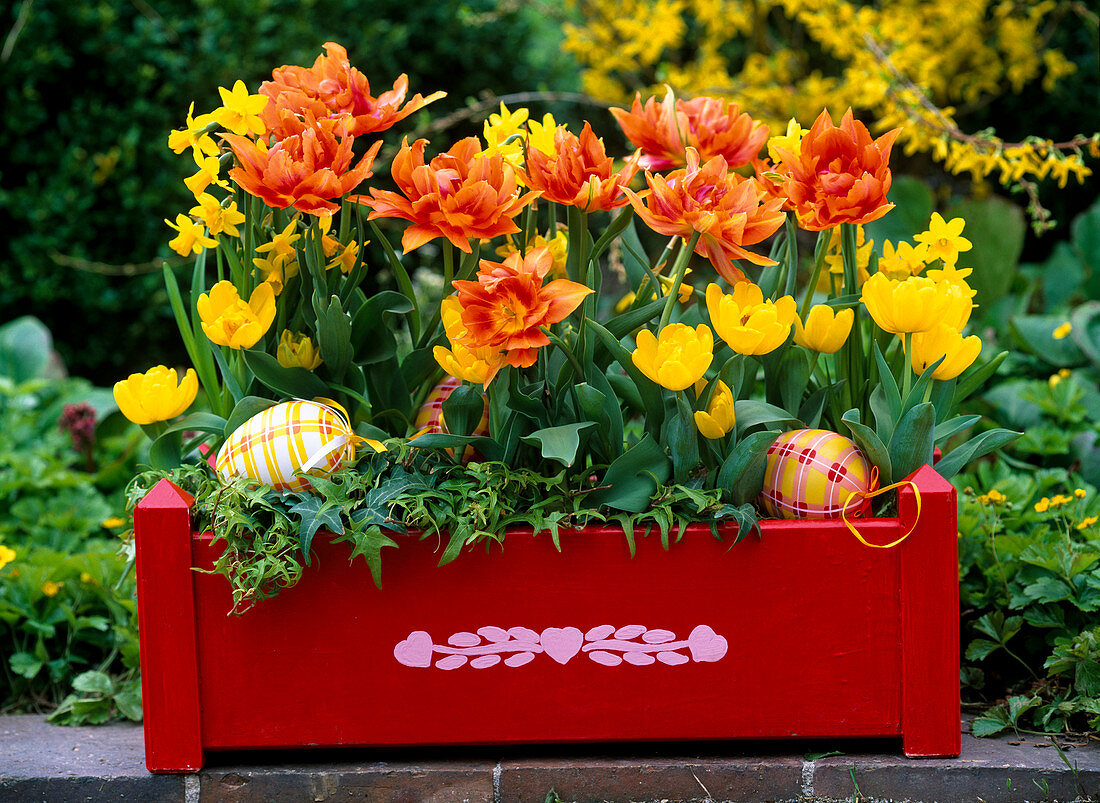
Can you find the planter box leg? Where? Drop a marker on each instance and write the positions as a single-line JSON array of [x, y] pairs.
[[169, 659], [930, 718]]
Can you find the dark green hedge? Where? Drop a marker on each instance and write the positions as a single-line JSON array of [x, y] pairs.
[[91, 89]]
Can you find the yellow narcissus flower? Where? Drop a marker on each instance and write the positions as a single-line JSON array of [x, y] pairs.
[[944, 239], [191, 136], [944, 341], [678, 357], [240, 112], [914, 305], [7, 555], [207, 174], [718, 419], [192, 236], [904, 261], [155, 395], [558, 245], [824, 330], [218, 219], [297, 351], [228, 321], [748, 323]]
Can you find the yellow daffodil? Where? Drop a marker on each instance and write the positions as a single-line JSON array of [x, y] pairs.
[[218, 219], [282, 244], [748, 323], [155, 395], [345, 258], [240, 112], [541, 136], [228, 321], [949, 273], [50, 588], [558, 245], [913, 305], [1062, 331], [192, 136], [7, 555], [297, 351], [825, 330], [834, 259], [500, 128], [944, 341], [276, 271], [904, 261], [463, 360], [790, 142], [192, 237], [718, 419], [944, 239], [207, 174], [678, 357]]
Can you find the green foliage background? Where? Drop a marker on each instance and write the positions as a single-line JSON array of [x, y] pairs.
[[91, 90]]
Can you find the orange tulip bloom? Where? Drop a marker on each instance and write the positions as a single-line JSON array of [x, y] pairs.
[[331, 87], [713, 127], [304, 169], [454, 196], [580, 173], [726, 209], [508, 303], [840, 175]]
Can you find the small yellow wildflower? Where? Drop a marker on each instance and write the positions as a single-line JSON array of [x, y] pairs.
[[1043, 505], [994, 498], [1055, 379], [1080, 493], [1062, 331], [113, 522], [87, 579], [1088, 522], [1059, 499], [50, 588], [7, 555]]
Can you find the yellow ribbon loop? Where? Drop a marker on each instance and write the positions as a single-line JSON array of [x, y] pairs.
[[353, 441], [871, 495]]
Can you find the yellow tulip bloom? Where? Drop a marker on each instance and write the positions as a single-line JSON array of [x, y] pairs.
[[718, 419], [678, 357], [959, 302], [155, 395], [748, 323], [824, 331], [944, 341], [463, 360], [914, 305], [297, 351], [228, 321]]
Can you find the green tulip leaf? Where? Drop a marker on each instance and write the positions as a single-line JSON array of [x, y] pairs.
[[296, 383], [869, 442], [912, 442], [633, 478], [334, 330], [954, 426], [1086, 330], [753, 413], [489, 448], [559, 443], [957, 459], [245, 409], [463, 409], [741, 476]]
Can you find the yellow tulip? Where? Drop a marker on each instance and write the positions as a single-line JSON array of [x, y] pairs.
[[824, 331], [476, 364], [718, 419], [748, 323], [944, 341], [678, 357], [916, 304], [228, 321], [297, 351], [155, 395], [959, 302]]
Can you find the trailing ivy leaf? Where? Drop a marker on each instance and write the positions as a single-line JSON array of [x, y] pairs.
[[632, 478], [741, 476], [368, 543], [313, 513], [559, 443]]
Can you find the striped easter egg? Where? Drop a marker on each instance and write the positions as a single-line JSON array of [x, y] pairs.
[[811, 473], [289, 437]]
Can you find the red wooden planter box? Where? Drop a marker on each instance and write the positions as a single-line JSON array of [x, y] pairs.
[[802, 633]]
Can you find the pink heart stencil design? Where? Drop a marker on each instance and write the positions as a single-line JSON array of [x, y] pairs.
[[416, 650], [562, 643]]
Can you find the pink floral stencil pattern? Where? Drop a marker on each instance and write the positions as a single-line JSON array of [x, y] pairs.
[[605, 644]]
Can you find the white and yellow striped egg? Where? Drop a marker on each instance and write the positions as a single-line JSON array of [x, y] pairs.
[[289, 437]]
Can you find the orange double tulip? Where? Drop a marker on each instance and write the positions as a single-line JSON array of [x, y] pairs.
[[579, 173]]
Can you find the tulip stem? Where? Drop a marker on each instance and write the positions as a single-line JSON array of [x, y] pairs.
[[815, 272], [792, 254], [568, 352], [678, 270], [908, 369]]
